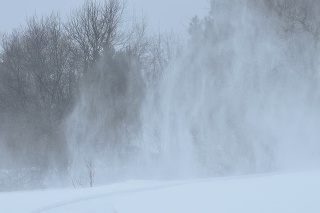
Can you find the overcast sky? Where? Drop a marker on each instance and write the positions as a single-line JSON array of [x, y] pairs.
[[162, 14]]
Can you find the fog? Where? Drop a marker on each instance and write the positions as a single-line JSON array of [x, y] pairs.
[[241, 96]]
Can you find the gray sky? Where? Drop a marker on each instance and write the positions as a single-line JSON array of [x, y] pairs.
[[162, 14]]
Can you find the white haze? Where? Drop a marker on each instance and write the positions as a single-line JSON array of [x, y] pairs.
[[242, 99]]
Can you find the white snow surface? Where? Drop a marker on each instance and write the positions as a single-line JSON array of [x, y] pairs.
[[277, 192]]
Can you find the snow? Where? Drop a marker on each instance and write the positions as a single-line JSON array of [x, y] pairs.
[[282, 192]]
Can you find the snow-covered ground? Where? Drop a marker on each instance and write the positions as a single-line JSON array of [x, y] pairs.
[[282, 192]]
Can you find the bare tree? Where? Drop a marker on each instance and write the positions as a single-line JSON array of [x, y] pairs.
[[163, 47], [136, 40], [38, 80], [80, 181], [49, 62], [91, 171], [300, 16], [94, 28], [13, 76]]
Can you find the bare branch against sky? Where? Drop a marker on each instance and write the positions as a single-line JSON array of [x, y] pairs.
[[14, 12]]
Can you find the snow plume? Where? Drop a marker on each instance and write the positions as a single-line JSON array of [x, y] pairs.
[[242, 97], [103, 130]]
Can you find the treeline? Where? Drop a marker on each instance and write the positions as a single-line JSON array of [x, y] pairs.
[[100, 92], [47, 62]]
